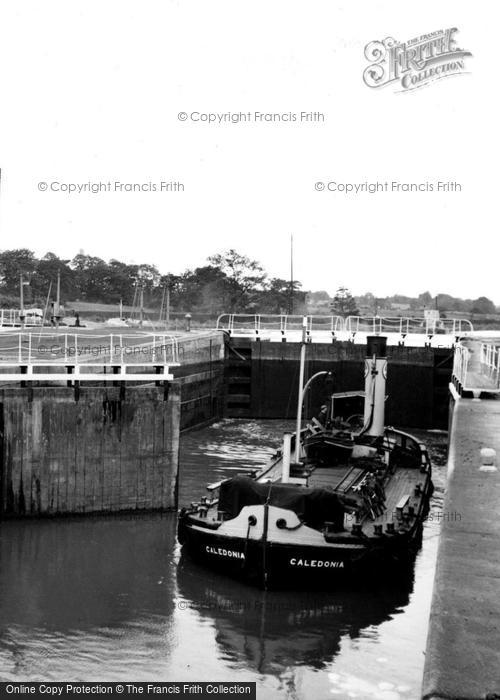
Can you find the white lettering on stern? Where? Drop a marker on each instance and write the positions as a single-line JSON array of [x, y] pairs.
[[221, 552], [317, 563]]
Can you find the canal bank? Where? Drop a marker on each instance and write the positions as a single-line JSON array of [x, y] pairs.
[[464, 629]]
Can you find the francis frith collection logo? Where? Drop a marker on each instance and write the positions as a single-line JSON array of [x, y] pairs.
[[414, 63]]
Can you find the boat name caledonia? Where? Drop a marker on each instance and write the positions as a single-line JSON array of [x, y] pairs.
[[317, 563], [225, 552]]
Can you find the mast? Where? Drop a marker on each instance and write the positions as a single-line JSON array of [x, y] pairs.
[[160, 317], [167, 309], [141, 307], [290, 304], [21, 300], [165, 303], [134, 301], [58, 299], [301, 384], [47, 304]]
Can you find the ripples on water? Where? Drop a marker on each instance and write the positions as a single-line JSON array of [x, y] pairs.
[[112, 599]]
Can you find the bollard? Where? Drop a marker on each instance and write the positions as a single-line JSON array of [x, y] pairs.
[[188, 322], [488, 460]]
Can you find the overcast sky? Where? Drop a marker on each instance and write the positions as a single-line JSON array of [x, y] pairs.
[[91, 92]]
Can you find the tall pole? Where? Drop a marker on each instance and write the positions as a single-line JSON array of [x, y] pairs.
[[301, 384], [21, 300], [141, 310], [290, 305], [167, 312], [160, 317], [135, 299], [58, 299]]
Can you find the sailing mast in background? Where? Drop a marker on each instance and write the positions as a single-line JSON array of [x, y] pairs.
[[290, 303], [165, 304], [57, 305], [21, 300]]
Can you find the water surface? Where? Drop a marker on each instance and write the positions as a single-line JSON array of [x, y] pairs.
[[112, 599]]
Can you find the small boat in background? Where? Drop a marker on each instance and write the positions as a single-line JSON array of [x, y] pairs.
[[334, 502]]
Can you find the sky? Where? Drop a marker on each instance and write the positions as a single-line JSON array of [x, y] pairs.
[[91, 92]]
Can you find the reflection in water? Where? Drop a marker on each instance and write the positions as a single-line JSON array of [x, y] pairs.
[[103, 599], [80, 591], [269, 631]]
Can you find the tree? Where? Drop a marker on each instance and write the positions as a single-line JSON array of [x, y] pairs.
[[483, 305], [320, 295], [425, 299], [243, 278], [121, 279], [91, 277], [149, 276], [46, 273], [369, 303], [12, 264], [276, 298], [201, 288], [344, 304], [446, 302]]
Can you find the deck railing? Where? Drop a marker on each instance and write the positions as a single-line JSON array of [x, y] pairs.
[[489, 360], [476, 367], [405, 326], [460, 365], [37, 356], [256, 324], [80, 348], [332, 324]]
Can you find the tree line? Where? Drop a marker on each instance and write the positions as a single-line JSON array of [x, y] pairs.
[[343, 303], [228, 282], [442, 302]]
